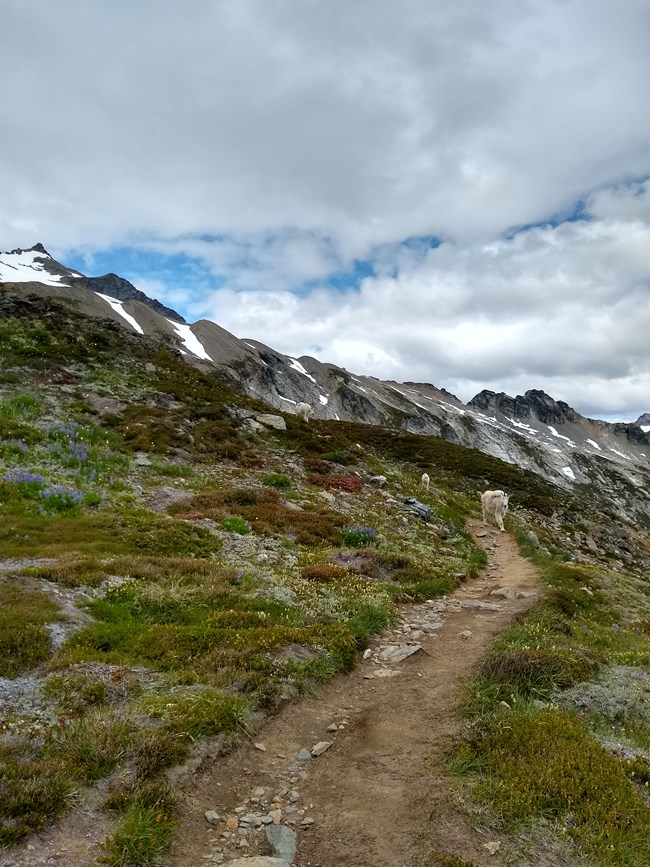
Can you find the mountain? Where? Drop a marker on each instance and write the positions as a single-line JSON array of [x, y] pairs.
[[35, 266], [533, 430]]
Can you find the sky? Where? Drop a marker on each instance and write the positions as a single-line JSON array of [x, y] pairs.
[[451, 192]]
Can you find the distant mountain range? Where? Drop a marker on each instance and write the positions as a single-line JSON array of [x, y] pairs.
[[532, 430]]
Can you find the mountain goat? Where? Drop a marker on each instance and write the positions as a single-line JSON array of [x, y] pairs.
[[425, 481], [495, 506], [305, 411]]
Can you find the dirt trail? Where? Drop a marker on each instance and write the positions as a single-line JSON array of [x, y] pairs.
[[378, 796]]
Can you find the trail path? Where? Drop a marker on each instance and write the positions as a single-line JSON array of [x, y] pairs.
[[379, 797]]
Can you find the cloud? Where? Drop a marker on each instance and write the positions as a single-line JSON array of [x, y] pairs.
[[391, 186], [363, 122], [566, 308]]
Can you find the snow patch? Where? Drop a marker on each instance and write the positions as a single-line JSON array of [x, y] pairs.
[[190, 340], [324, 399], [119, 308], [620, 454], [594, 444], [569, 473], [288, 399], [23, 268], [645, 428], [293, 362], [523, 426], [560, 436]]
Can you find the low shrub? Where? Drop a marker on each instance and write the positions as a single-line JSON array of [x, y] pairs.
[[278, 481], [338, 456], [356, 537], [146, 824], [235, 524], [33, 793], [24, 639], [547, 764], [537, 672], [198, 713], [350, 483], [324, 572]]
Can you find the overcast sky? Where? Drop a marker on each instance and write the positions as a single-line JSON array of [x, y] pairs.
[[454, 192]]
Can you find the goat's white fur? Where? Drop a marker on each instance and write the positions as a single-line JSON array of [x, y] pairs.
[[304, 410], [495, 506], [425, 481]]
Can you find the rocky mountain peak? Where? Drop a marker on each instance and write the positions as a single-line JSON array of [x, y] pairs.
[[643, 420], [119, 288], [534, 404]]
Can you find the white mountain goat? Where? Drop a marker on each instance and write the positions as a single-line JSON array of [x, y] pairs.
[[305, 411], [495, 506], [425, 481]]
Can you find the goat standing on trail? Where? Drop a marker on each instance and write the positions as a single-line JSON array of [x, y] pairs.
[[495, 506], [425, 481]]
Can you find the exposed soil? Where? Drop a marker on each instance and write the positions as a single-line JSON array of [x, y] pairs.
[[379, 797]]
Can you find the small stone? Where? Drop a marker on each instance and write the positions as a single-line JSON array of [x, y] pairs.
[[466, 633], [257, 861], [367, 653], [321, 747], [332, 727], [276, 816], [493, 847], [259, 792], [307, 821], [293, 796], [397, 653], [282, 841], [482, 534], [266, 820], [260, 747], [507, 593], [369, 677], [212, 817], [304, 755], [479, 605], [232, 823]]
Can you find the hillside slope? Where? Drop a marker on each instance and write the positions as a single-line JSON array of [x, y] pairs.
[[532, 431], [177, 563]]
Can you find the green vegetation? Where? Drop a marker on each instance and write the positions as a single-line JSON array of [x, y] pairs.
[[191, 630], [24, 639], [278, 481], [548, 764]]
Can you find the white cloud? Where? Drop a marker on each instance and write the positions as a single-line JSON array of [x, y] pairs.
[[277, 142], [365, 122], [566, 309]]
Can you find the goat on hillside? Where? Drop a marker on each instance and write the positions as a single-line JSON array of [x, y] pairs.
[[305, 411], [425, 481], [495, 506]]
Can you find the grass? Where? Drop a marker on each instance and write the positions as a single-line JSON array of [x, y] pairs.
[[266, 514], [24, 639], [33, 793], [548, 764], [146, 821]]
